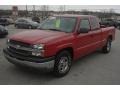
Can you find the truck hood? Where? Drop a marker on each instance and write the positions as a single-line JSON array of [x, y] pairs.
[[37, 36]]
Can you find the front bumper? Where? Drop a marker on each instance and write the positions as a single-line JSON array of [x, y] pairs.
[[46, 65]]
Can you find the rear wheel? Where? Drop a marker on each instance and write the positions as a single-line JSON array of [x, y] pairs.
[[16, 26], [107, 47], [118, 27], [62, 63], [29, 27]]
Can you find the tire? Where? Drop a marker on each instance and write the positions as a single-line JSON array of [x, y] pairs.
[[16, 26], [63, 64], [29, 27], [118, 27], [107, 47]]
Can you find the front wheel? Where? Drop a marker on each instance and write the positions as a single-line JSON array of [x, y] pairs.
[[107, 47], [30, 27], [62, 63]]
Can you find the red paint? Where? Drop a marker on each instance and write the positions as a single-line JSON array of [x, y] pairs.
[[82, 44]]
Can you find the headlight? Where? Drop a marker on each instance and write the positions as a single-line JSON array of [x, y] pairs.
[[38, 50], [8, 40], [39, 46]]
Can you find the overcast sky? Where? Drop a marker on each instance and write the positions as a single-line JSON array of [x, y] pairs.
[[67, 7]]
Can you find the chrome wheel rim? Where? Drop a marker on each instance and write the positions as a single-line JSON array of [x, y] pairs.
[[63, 65]]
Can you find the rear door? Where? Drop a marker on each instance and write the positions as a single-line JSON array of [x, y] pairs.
[[96, 33]]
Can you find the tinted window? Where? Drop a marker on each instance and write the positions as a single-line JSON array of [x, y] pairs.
[[21, 20], [94, 23], [25, 21], [84, 24], [109, 20]]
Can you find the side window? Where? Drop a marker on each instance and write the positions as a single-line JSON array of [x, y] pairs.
[[84, 24], [25, 21], [94, 23], [21, 20]]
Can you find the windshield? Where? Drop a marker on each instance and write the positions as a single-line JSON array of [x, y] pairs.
[[65, 24]]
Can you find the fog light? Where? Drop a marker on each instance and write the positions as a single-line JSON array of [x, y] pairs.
[[8, 40], [38, 53]]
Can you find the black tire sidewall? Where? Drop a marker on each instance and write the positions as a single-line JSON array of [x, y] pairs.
[[105, 50], [29, 27], [57, 60]]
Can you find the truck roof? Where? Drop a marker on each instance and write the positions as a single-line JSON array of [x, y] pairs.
[[74, 15]]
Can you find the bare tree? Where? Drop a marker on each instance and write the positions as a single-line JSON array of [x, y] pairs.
[[85, 11], [44, 8], [34, 12], [62, 9], [26, 11], [45, 11], [112, 13]]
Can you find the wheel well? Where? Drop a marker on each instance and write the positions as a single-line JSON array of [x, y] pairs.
[[69, 49]]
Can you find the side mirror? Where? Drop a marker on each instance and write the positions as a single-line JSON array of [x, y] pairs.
[[102, 26], [83, 30]]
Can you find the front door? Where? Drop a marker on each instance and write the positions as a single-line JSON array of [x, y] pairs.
[[83, 40]]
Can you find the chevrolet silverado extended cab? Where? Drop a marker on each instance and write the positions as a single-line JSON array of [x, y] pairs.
[[59, 41]]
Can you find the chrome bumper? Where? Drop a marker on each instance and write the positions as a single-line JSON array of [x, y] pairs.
[[49, 65]]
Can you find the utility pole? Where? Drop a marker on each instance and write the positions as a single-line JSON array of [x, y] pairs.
[[33, 7], [64, 8], [26, 11], [34, 13]]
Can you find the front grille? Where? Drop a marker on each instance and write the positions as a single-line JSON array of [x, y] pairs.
[[13, 42], [19, 48], [23, 52], [27, 58], [19, 51], [23, 57]]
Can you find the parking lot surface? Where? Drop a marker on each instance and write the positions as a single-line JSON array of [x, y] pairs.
[[96, 68]]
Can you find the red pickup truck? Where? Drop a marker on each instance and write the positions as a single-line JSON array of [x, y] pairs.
[[59, 41]]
